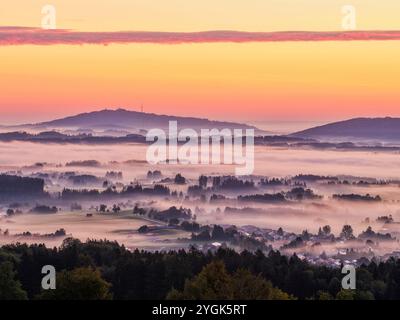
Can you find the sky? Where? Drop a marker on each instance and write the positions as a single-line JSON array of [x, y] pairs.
[[210, 76]]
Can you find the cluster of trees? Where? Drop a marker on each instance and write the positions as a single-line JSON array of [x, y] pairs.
[[23, 186], [58, 233], [276, 197], [114, 175], [68, 194], [137, 189], [11, 212], [297, 193], [217, 197], [274, 182], [215, 233], [179, 179], [103, 208], [220, 183], [371, 234], [325, 232], [356, 197], [346, 234], [44, 209], [385, 219], [245, 210], [229, 235], [171, 214], [215, 283], [231, 183], [300, 193], [296, 243], [156, 174], [84, 179], [370, 182], [314, 178], [105, 270], [196, 191], [190, 226], [84, 163]]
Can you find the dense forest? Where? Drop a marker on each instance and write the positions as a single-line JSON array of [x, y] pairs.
[[106, 270], [10, 184]]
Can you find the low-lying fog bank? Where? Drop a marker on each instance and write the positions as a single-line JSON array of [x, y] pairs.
[[340, 188]]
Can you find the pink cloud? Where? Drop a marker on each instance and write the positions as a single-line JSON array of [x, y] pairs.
[[36, 36]]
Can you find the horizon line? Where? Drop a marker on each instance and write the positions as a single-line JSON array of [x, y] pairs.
[[246, 122]]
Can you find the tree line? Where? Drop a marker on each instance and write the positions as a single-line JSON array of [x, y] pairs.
[[107, 270]]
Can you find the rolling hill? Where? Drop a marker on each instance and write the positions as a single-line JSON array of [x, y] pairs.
[[122, 119], [359, 129]]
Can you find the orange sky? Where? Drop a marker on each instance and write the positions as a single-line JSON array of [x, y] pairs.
[[248, 81]]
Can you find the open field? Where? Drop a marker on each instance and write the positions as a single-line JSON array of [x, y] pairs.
[[121, 227]]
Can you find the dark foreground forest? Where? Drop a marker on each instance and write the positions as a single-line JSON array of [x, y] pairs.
[[106, 270]]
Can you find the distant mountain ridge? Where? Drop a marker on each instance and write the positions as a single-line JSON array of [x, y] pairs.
[[125, 119], [384, 129]]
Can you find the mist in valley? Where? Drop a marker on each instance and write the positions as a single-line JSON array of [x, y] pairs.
[[53, 160]]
